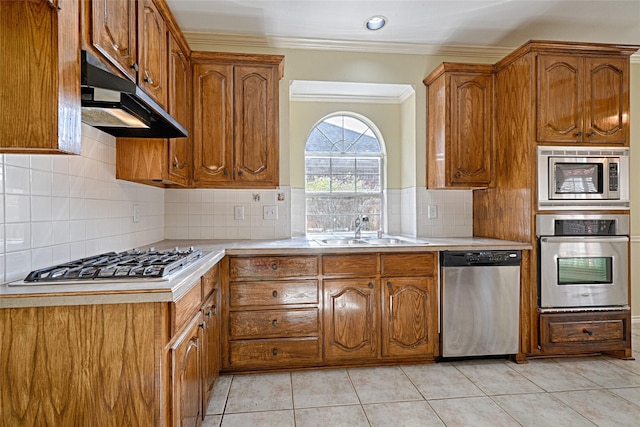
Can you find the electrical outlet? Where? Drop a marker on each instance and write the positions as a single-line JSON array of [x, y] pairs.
[[238, 212], [136, 213], [270, 212], [432, 212]]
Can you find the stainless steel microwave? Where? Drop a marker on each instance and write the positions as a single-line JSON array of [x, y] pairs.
[[583, 178]]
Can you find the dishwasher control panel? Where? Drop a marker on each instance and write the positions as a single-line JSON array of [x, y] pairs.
[[459, 258]]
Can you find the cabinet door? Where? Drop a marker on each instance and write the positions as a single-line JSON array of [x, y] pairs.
[[409, 316], [211, 348], [179, 108], [113, 33], [606, 100], [152, 56], [470, 156], [351, 319], [560, 99], [213, 119], [256, 125], [186, 374]]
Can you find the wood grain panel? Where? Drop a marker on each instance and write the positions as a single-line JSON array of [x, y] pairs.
[[273, 267], [69, 365], [350, 265], [275, 353], [183, 309], [412, 264], [274, 323], [152, 56], [570, 333], [270, 293]]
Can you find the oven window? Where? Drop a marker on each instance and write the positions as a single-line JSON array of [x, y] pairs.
[[578, 178], [591, 270]]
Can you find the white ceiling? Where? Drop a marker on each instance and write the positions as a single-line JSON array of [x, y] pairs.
[[419, 24]]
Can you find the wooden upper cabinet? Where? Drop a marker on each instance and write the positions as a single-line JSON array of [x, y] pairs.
[[40, 77], [459, 132], [213, 123], [152, 55], [113, 33], [179, 159], [583, 99], [236, 120]]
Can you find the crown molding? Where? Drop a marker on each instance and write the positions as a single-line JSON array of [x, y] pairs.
[[214, 41]]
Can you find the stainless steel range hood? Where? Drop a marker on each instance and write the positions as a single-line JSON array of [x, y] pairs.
[[119, 107]]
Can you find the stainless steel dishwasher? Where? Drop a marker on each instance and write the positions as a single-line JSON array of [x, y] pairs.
[[480, 302]]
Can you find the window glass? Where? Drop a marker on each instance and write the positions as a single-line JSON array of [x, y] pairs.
[[343, 175]]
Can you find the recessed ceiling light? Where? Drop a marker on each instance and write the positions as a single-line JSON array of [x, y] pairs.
[[375, 22]]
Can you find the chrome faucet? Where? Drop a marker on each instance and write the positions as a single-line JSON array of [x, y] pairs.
[[359, 223]]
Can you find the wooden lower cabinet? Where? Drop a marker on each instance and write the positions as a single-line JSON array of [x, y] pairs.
[[585, 332], [351, 319], [186, 374], [409, 327]]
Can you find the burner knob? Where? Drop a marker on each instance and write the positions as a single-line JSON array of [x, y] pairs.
[[191, 249], [152, 249], [176, 250]]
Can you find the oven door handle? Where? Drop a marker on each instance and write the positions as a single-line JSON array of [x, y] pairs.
[[585, 239]]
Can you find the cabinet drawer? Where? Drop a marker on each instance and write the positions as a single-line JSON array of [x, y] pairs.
[[182, 310], [407, 264], [275, 353], [210, 281], [273, 323], [273, 293], [585, 332], [350, 265], [272, 267]]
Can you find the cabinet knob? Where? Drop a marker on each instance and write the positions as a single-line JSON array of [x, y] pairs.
[[274, 351], [389, 285], [274, 293], [458, 175], [134, 66], [209, 313], [239, 173], [592, 134], [587, 331], [225, 172], [202, 325], [274, 323], [274, 267], [578, 134], [370, 285]]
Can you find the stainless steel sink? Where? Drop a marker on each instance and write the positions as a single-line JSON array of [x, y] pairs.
[[383, 241], [342, 242]]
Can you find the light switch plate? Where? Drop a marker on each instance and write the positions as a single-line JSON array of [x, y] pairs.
[[136, 213], [238, 212], [432, 212], [270, 212]]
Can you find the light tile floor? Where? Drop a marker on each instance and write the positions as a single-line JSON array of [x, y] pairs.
[[577, 391]]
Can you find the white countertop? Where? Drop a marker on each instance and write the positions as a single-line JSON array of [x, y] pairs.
[[107, 292]]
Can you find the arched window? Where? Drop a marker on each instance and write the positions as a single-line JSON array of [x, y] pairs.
[[344, 161]]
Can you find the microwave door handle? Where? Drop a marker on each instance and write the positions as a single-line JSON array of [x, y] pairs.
[[585, 239]]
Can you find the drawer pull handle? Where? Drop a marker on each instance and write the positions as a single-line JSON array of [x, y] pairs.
[[274, 323], [274, 351], [370, 285], [202, 325], [274, 267], [275, 294], [389, 285], [587, 331]]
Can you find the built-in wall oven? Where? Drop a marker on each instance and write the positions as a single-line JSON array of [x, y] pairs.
[[583, 260], [583, 178]]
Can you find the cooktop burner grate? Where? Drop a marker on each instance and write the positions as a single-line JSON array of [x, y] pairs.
[[133, 264]]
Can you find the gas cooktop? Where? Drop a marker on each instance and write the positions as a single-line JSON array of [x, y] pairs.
[[128, 266]]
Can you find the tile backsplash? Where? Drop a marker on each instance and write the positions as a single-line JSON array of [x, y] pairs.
[[57, 208]]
